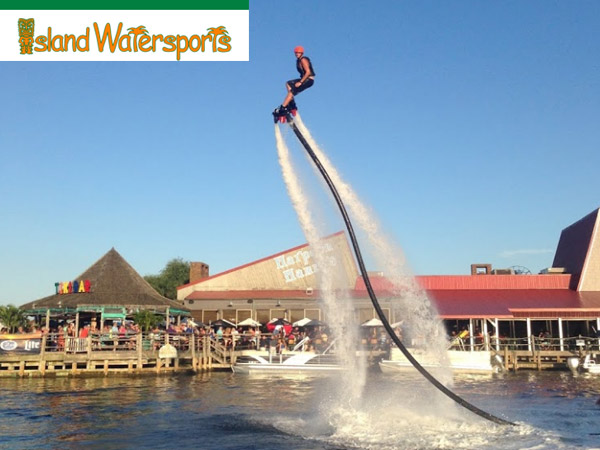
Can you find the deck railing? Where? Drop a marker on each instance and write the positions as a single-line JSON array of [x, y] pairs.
[[531, 343], [152, 342]]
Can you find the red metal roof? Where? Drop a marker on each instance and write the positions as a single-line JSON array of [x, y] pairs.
[[253, 294], [478, 282], [499, 303], [460, 303], [505, 282]]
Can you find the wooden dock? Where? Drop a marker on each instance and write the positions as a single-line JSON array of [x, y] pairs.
[[54, 355], [515, 360], [135, 354]]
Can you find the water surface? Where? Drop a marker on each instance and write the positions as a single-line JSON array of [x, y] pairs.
[[221, 410]]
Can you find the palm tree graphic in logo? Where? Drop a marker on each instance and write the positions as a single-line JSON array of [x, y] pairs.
[[136, 32], [214, 33]]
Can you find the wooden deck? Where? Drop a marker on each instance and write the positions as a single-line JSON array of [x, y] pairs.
[[135, 356], [515, 360], [139, 354]]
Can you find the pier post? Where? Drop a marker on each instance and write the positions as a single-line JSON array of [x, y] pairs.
[[193, 350], [42, 363], [471, 341], [88, 346], [139, 341], [560, 335], [496, 325]]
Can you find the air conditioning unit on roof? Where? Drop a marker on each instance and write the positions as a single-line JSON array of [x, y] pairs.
[[553, 270]]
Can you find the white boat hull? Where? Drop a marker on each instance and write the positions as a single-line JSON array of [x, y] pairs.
[[301, 363], [589, 365], [276, 368], [458, 361]]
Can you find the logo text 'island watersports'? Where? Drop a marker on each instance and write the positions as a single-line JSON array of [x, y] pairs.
[[135, 39], [178, 34]]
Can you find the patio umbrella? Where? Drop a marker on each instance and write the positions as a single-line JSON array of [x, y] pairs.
[[191, 323], [301, 322], [279, 323], [372, 323], [249, 322], [222, 323]]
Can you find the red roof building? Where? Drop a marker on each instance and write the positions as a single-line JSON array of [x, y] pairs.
[[285, 284]]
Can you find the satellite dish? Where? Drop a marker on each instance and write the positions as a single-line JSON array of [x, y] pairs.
[[520, 270]]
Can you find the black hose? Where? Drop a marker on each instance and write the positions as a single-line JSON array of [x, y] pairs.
[[378, 309]]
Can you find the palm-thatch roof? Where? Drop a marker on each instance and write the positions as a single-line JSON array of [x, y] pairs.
[[113, 283]]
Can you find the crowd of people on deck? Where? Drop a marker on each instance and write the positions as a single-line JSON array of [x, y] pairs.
[[123, 335]]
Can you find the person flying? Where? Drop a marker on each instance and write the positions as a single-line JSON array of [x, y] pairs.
[[297, 85]]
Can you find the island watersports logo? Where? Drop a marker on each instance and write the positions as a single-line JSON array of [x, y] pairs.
[[219, 32], [114, 39]]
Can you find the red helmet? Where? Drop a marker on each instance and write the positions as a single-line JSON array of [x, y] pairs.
[[299, 49]]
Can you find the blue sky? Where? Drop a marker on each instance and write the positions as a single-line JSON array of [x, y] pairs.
[[470, 128]]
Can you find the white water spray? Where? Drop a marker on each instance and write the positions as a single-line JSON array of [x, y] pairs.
[[403, 414], [338, 310], [420, 317], [412, 304]]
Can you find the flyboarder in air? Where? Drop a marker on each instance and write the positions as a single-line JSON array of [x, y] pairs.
[[297, 85]]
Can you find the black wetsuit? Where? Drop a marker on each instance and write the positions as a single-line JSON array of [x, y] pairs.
[[308, 82]]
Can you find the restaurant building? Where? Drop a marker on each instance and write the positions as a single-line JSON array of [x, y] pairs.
[[110, 289], [563, 299]]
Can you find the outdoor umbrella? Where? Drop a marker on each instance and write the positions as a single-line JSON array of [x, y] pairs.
[[222, 323], [191, 323], [315, 323], [249, 322], [372, 323], [274, 323], [301, 322]]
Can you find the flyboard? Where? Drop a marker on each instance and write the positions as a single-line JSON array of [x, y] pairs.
[[286, 115]]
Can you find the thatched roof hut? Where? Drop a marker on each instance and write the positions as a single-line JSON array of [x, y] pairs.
[[113, 286]]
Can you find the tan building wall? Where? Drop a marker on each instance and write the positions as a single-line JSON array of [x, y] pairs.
[[590, 276], [295, 269]]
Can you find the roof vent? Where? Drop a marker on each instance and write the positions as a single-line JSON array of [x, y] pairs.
[[481, 269], [553, 270]]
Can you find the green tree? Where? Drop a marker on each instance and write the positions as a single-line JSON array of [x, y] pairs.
[[146, 320], [175, 273], [12, 317]]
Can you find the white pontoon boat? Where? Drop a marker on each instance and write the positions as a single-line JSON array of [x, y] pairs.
[[459, 361]]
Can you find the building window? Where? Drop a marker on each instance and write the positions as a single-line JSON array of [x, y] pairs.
[[208, 316], [314, 314], [243, 314], [296, 315], [262, 316], [277, 314]]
